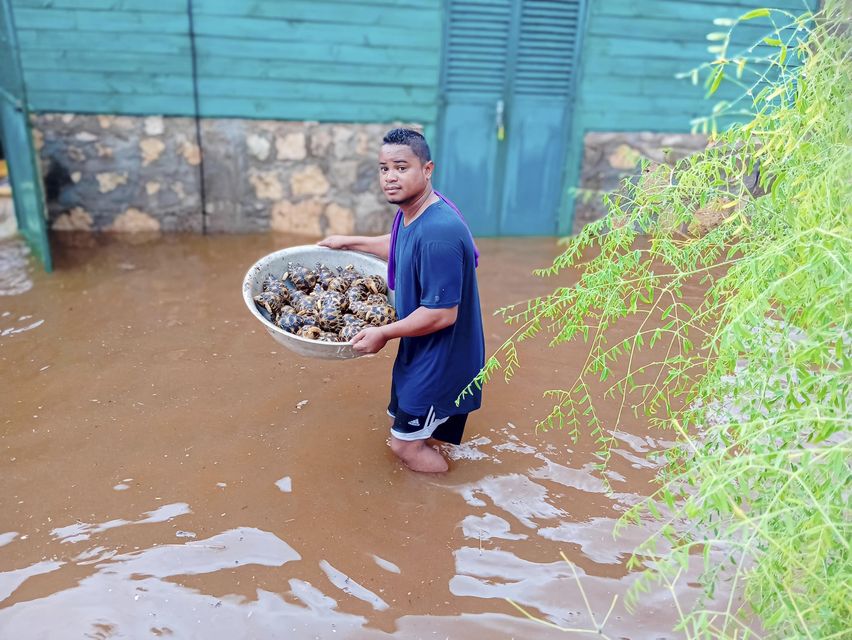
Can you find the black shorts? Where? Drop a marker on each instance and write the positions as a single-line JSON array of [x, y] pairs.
[[411, 427]]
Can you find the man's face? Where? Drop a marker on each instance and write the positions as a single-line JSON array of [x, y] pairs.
[[401, 174]]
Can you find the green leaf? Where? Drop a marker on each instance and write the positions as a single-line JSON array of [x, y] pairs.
[[717, 80], [772, 42], [754, 13]]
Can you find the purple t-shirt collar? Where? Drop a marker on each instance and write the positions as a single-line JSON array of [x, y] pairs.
[[398, 220]]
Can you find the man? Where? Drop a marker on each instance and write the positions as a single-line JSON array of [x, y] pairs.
[[432, 269]]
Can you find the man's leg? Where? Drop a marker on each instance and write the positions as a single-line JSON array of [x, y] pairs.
[[419, 456]]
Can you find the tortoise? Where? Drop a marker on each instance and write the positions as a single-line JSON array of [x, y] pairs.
[[378, 282], [379, 314], [376, 298], [269, 280], [290, 322], [359, 309], [349, 318], [332, 299], [338, 283], [373, 284], [349, 331], [309, 319], [356, 293], [281, 289], [349, 273], [330, 318], [324, 275], [304, 279], [286, 309], [310, 332], [303, 303], [269, 303], [328, 336]]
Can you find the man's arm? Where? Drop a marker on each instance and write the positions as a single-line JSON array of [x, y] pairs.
[[377, 245], [422, 321]]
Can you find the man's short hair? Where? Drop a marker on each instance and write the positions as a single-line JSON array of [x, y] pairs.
[[412, 139]]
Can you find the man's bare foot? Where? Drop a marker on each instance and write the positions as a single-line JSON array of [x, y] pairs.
[[419, 456]]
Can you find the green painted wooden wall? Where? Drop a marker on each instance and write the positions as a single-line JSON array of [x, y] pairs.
[[633, 50], [334, 60], [632, 53]]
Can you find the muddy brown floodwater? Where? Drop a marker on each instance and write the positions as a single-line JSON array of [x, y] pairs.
[[168, 470]]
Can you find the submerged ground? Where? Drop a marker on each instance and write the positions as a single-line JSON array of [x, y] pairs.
[[168, 470]]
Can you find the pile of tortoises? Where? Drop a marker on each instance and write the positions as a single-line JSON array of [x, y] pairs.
[[324, 304]]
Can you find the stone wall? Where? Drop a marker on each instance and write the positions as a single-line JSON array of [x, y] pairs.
[[608, 158], [120, 173]]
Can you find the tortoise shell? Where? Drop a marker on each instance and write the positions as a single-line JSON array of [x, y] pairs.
[[373, 284], [379, 314], [339, 284], [310, 332], [356, 292], [330, 319], [324, 275], [377, 284], [291, 322], [268, 281], [269, 303], [308, 319], [349, 273], [349, 331], [303, 303], [280, 289], [332, 299], [302, 277], [377, 298], [359, 309]]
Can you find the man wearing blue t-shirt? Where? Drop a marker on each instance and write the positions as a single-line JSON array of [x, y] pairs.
[[432, 269]]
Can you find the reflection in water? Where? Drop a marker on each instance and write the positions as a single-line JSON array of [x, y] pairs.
[[11, 580], [6, 538], [80, 531], [489, 526], [10, 331], [348, 585], [514, 493], [496, 574], [241, 546], [387, 565], [596, 539], [15, 268]]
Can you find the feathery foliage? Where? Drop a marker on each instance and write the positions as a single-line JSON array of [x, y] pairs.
[[754, 380]]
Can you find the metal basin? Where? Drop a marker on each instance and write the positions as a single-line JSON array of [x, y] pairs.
[[308, 255]]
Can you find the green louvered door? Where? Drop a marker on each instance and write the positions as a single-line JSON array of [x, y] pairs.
[[508, 81], [18, 145], [476, 53]]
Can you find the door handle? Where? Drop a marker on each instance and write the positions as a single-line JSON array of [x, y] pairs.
[[501, 125]]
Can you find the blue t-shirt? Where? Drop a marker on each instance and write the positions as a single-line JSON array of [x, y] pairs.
[[435, 268]]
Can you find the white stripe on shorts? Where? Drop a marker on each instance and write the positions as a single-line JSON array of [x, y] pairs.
[[425, 431]]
